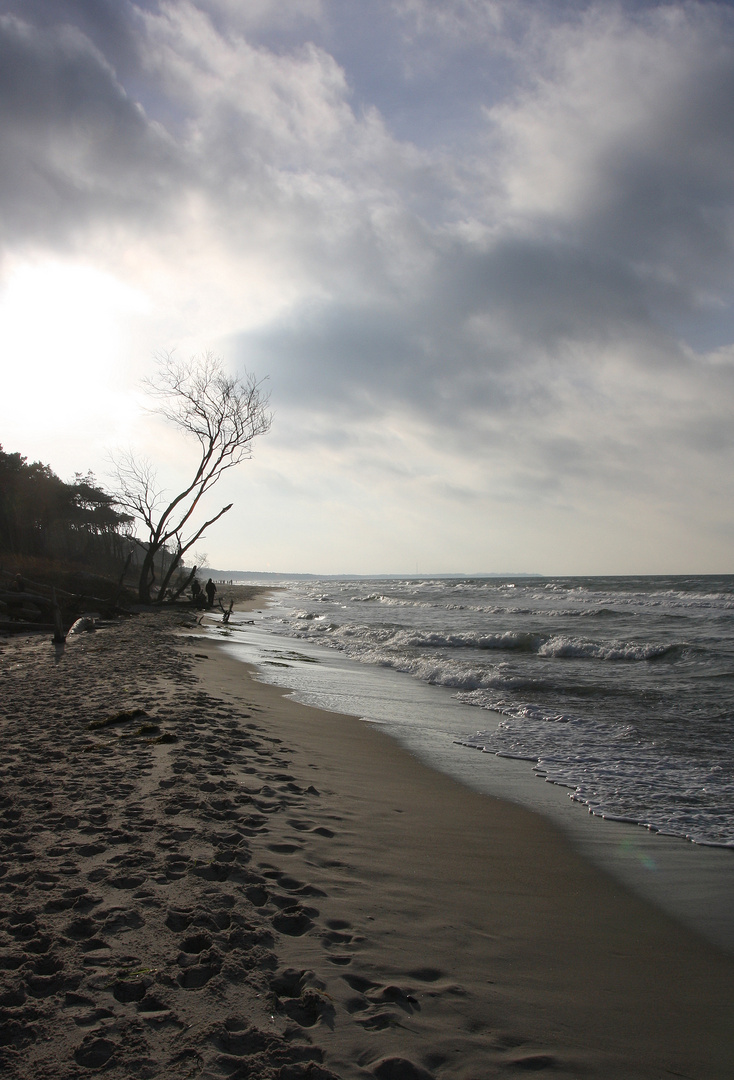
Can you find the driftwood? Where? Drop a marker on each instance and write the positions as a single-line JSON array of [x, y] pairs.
[[17, 598], [17, 626], [108, 605]]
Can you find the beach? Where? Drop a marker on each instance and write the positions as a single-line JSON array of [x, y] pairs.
[[202, 877]]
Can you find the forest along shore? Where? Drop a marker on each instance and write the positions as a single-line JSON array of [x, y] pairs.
[[202, 877]]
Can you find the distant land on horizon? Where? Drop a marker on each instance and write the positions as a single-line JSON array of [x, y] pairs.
[[269, 575], [246, 576]]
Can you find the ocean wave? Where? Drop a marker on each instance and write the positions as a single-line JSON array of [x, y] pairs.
[[555, 658], [576, 648], [392, 601], [506, 640], [515, 710], [435, 672], [543, 645]]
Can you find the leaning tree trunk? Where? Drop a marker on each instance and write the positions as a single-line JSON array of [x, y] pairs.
[[182, 588], [176, 559], [147, 577]]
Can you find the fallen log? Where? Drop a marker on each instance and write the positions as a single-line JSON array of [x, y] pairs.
[[63, 593], [20, 597], [17, 626]]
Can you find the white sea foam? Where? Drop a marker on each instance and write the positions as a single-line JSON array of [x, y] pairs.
[[632, 714], [617, 775], [612, 650]]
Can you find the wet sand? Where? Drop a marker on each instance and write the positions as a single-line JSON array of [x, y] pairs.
[[228, 883]]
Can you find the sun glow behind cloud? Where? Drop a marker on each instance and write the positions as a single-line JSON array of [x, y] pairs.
[[64, 340]]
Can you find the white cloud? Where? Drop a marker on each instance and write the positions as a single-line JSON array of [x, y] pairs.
[[259, 15], [624, 136]]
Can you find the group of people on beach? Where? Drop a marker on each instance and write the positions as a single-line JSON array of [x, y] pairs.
[[203, 597]]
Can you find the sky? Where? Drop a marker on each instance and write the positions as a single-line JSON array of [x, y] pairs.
[[481, 251]]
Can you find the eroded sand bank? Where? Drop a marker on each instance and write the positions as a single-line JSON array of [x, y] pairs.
[[231, 884]]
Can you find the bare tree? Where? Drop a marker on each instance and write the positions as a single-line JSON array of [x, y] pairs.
[[224, 414]]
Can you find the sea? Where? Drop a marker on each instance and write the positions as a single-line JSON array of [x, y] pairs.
[[616, 691]]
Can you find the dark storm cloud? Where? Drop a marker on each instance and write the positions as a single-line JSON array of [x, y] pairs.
[[76, 148], [667, 193], [550, 291], [110, 24], [470, 341], [632, 118]]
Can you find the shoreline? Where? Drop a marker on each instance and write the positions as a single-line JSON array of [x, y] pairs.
[[584, 946], [693, 883], [283, 892]]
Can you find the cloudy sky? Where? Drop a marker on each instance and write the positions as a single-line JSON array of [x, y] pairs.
[[483, 251]]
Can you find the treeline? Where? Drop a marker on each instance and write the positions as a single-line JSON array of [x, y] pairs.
[[42, 516]]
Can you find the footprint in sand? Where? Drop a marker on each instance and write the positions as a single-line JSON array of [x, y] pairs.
[[150, 1007], [92, 1017], [198, 975], [95, 945], [80, 928], [397, 1068], [119, 920], [128, 990], [309, 827], [337, 936], [178, 920], [13, 999], [534, 1062], [253, 824], [46, 882], [94, 1053], [176, 866], [88, 851], [285, 849], [257, 895], [294, 921], [298, 888], [48, 978], [299, 995], [196, 943], [127, 881], [426, 974], [379, 1002], [21, 925], [216, 870], [78, 899]]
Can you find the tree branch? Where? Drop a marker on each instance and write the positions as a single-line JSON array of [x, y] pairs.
[[224, 414]]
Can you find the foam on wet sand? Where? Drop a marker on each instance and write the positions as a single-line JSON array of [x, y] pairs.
[[201, 877]]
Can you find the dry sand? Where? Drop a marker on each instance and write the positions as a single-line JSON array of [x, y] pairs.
[[230, 884]]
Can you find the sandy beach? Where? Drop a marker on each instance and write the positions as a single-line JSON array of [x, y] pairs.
[[203, 878]]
